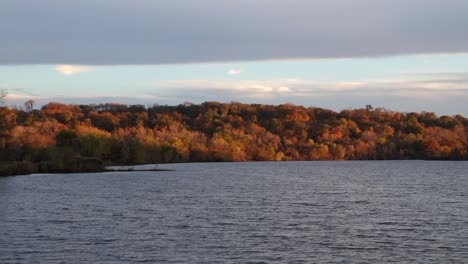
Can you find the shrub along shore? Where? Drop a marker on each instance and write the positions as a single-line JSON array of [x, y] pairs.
[[76, 165]]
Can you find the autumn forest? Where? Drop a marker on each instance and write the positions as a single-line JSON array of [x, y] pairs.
[[63, 138]]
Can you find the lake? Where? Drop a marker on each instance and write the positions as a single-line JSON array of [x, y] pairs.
[[254, 212]]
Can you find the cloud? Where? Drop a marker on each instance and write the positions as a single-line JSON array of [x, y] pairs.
[[71, 69], [110, 32], [435, 92], [429, 86], [438, 92], [397, 95], [233, 72], [242, 88], [23, 97]]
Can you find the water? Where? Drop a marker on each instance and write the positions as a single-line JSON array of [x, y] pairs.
[[285, 212]]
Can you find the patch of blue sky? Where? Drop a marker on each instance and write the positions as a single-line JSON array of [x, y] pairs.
[[125, 79]]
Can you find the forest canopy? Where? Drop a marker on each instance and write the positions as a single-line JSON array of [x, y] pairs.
[[58, 134]]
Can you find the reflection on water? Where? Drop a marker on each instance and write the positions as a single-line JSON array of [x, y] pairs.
[[283, 212]]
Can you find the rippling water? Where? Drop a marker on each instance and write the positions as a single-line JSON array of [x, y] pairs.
[[283, 212]]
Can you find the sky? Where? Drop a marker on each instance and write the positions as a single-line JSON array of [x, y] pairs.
[[338, 54]]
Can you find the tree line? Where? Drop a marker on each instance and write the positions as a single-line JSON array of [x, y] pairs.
[[59, 134]]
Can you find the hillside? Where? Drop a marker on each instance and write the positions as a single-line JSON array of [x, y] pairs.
[[54, 137]]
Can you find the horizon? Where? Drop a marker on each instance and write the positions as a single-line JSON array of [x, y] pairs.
[[186, 104]]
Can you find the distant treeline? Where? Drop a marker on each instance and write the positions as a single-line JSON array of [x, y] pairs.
[[58, 135]]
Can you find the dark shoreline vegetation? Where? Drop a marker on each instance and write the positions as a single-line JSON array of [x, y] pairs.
[[26, 168], [85, 138]]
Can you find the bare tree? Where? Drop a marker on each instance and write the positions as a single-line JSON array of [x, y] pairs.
[[29, 105], [3, 94]]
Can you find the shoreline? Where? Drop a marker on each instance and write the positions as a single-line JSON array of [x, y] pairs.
[[32, 168], [24, 168], [93, 172]]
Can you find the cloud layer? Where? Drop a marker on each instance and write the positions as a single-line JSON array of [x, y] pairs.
[[443, 93], [158, 31], [428, 85]]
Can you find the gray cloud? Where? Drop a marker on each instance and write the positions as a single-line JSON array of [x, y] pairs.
[[180, 31]]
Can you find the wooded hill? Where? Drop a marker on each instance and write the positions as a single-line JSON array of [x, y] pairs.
[[119, 134]]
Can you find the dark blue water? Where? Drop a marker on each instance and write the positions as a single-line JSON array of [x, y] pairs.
[[284, 212]]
